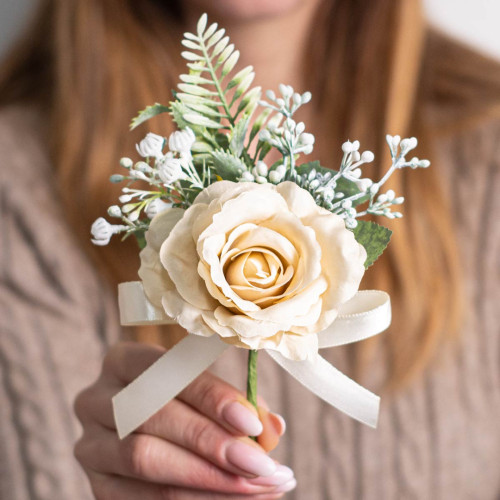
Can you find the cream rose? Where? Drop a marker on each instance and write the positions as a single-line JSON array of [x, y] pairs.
[[260, 265]]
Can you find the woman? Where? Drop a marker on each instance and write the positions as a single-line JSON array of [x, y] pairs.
[[68, 91]]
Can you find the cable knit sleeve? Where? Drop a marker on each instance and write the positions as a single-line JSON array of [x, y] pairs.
[[56, 319]]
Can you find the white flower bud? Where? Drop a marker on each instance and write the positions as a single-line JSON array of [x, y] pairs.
[[155, 207], [136, 174], [260, 179], [281, 169], [306, 139], [142, 166], [307, 150], [347, 147], [181, 141], [102, 231], [125, 198], [355, 156], [363, 184], [280, 102], [261, 168], [275, 177], [297, 100], [286, 90], [390, 195], [170, 170], [114, 211], [300, 128], [398, 201], [395, 141], [151, 145], [126, 162], [356, 173], [264, 135], [247, 177], [270, 95], [133, 216], [367, 157], [306, 97], [424, 163]]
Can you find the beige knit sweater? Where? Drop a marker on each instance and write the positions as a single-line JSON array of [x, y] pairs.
[[439, 439]]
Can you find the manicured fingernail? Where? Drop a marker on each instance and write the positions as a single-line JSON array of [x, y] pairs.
[[280, 421], [242, 418], [282, 475], [250, 459], [289, 486]]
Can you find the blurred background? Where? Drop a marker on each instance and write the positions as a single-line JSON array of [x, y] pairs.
[[474, 21]]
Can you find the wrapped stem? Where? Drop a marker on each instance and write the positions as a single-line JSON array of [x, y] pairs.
[[252, 377]]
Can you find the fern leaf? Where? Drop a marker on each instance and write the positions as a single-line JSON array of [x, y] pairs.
[[191, 45], [210, 31], [249, 101], [196, 80], [220, 46], [195, 90], [202, 24], [190, 56], [148, 113], [230, 63], [239, 77], [215, 38], [202, 121]]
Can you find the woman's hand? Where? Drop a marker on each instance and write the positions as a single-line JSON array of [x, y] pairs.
[[196, 447]]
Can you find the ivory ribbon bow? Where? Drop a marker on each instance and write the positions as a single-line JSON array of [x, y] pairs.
[[365, 315]]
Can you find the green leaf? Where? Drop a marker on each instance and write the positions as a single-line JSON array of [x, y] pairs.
[[178, 110], [259, 123], [228, 166], [373, 237], [147, 113], [238, 135]]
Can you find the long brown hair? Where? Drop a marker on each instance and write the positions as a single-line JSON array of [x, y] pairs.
[[91, 64]]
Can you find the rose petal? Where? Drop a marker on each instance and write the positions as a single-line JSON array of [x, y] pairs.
[[223, 190], [245, 326], [300, 202], [292, 306], [155, 278], [161, 225], [343, 263], [298, 347], [188, 316], [178, 256]]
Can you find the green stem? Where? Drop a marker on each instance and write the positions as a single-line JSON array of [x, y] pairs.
[[252, 377]]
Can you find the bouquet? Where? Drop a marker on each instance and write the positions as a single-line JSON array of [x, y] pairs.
[[242, 252]]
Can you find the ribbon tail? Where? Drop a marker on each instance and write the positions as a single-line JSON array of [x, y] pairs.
[[163, 380], [331, 385]]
